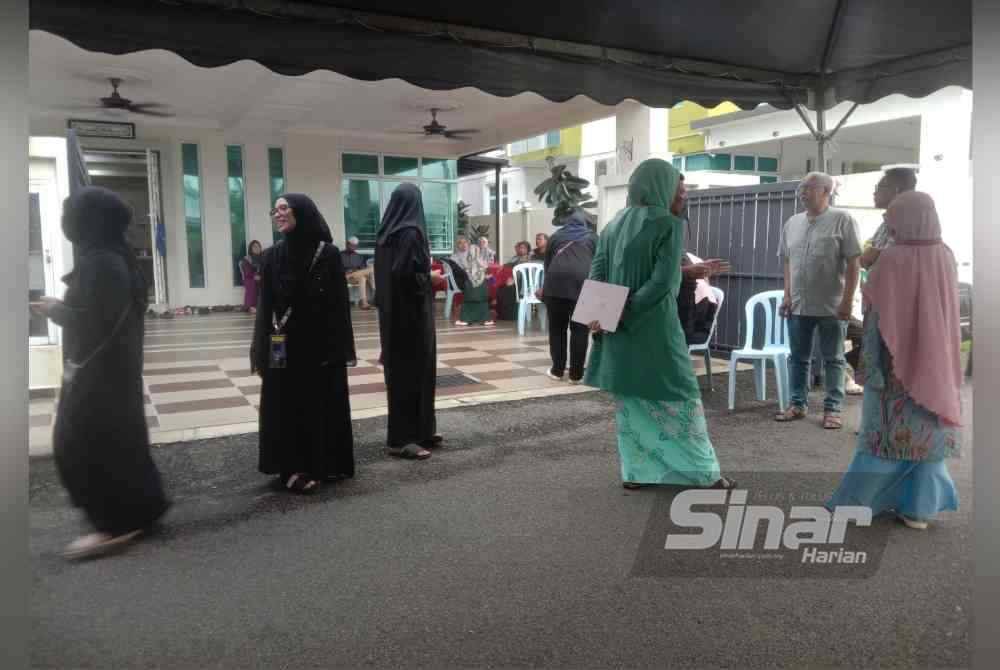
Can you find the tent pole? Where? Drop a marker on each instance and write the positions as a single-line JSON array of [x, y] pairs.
[[821, 137], [499, 205]]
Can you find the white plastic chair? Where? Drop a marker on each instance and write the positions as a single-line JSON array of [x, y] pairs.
[[775, 349], [720, 296], [528, 278], [451, 291]]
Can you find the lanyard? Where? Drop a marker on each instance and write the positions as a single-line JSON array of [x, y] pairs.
[[279, 325]]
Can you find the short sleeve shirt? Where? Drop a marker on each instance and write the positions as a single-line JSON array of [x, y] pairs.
[[817, 251]]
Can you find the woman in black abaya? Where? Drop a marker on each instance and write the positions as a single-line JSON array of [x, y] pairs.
[[100, 439], [305, 410], [406, 324]]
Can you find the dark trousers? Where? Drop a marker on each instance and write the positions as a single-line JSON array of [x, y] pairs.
[[560, 311]]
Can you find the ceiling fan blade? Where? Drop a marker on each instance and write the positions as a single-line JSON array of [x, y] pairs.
[[149, 112], [146, 105], [407, 132], [464, 131]]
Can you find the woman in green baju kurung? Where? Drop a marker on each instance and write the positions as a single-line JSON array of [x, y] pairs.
[[475, 293], [645, 365]]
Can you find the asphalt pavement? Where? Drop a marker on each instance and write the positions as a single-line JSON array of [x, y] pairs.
[[512, 547]]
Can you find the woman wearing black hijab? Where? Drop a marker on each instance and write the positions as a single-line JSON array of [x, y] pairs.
[[100, 439], [303, 343], [405, 304]]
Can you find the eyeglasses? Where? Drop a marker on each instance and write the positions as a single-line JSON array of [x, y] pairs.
[[280, 209]]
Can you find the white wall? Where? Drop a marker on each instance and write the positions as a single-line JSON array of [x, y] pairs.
[[646, 128]]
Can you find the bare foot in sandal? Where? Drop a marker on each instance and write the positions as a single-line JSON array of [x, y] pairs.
[[793, 413], [411, 452], [97, 544], [300, 483], [832, 421]]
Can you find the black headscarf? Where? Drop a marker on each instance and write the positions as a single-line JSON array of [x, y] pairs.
[[405, 210], [96, 219], [255, 260], [294, 257]]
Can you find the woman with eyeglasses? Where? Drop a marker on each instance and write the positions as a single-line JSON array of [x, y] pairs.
[[303, 343]]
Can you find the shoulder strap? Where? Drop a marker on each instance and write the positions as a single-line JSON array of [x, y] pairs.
[[111, 336], [278, 325]]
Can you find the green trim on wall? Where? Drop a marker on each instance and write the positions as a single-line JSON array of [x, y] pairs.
[[236, 185], [193, 224], [276, 180]]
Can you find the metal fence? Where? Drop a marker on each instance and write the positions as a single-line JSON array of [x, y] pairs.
[[742, 225]]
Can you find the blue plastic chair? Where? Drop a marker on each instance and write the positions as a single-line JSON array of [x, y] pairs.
[[775, 349], [528, 278]]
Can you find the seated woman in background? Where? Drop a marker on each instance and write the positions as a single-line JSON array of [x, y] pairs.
[[506, 292], [696, 303]]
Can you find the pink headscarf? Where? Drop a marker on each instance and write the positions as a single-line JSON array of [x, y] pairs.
[[914, 289]]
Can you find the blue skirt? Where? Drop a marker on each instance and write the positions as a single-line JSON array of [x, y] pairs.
[[915, 489]]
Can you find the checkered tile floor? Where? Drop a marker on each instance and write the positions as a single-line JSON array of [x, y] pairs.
[[198, 383]]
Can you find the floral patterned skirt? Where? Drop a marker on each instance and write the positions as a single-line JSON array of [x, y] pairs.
[[663, 442]]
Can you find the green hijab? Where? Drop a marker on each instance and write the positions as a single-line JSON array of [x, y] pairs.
[[653, 184]]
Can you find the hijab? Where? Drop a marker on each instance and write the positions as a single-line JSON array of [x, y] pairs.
[[651, 191], [96, 219], [405, 210], [574, 227], [255, 260], [473, 262], [914, 289], [294, 257]]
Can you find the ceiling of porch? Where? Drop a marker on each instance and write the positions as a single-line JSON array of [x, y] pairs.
[[67, 81]]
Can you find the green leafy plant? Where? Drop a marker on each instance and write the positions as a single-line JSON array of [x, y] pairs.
[[471, 232], [566, 193]]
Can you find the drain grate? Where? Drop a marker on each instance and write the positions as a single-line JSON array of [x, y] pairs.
[[456, 380]]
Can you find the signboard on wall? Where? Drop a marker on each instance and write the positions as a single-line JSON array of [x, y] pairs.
[[106, 129]]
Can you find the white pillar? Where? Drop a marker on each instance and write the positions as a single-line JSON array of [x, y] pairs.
[[14, 332], [986, 325], [640, 133], [945, 167]]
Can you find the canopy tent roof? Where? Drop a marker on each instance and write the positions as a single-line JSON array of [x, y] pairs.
[[780, 52]]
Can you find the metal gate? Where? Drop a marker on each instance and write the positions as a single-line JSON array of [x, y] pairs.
[[742, 225]]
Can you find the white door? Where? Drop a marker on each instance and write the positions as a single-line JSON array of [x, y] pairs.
[[43, 226]]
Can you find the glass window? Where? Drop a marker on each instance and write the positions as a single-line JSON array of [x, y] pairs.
[[237, 209], [440, 203], [765, 164], [276, 179], [192, 215], [492, 201], [552, 138], [696, 162], [678, 162], [768, 180], [397, 166], [360, 164], [439, 168], [721, 162], [744, 163], [362, 210]]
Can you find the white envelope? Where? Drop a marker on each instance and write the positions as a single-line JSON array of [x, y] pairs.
[[601, 302]]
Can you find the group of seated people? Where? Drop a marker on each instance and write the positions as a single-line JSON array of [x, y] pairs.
[[499, 278]]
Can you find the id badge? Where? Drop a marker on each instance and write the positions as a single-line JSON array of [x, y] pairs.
[[279, 354]]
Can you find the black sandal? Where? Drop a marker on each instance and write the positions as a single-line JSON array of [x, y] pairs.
[[435, 441], [724, 483], [632, 486], [410, 452], [300, 483]]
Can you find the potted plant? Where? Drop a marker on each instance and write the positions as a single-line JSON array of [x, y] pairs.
[[471, 232], [565, 193]]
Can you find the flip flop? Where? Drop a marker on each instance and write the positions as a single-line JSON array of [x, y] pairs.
[[724, 483], [793, 413], [299, 483], [434, 441], [410, 452]]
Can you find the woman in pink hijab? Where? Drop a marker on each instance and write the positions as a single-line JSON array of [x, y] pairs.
[[911, 373]]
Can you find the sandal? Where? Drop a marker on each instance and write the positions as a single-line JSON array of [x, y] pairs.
[[632, 486], [97, 544], [434, 441], [489, 323], [793, 413], [724, 483], [300, 483], [832, 421], [410, 452]]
